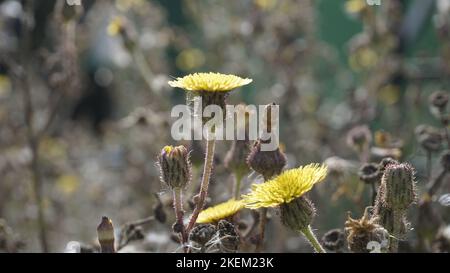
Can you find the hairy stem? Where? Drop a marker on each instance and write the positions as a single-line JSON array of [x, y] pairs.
[[309, 235], [179, 213], [209, 157]]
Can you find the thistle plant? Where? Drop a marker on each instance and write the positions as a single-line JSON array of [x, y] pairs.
[[212, 88], [286, 192]]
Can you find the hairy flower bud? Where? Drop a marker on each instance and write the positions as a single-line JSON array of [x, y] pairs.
[[266, 163], [298, 214], [105, 232], [175, 166], [398, 190]]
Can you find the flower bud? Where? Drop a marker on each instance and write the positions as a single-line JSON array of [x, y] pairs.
[[175, 166], [398, 190], [266, 163], [105, 232], [298, 214], [369, 173]]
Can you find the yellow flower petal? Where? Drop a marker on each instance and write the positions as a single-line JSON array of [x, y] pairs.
[[286, 187], [219, 212], [209, 82]]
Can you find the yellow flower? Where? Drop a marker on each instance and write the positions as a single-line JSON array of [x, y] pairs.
[[221, 211], [115, 26], [286, 187], [209, 82], [355, 6]]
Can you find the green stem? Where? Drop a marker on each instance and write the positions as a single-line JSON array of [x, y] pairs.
[[309, 235]]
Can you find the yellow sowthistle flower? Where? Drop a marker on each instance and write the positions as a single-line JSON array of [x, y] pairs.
[[286, 187], [220, 211], [209, 82]]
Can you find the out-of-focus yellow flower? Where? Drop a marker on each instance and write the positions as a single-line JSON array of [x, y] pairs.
[[190, 59], [67, 184], [363, 58], [286, 187], [355, 6], [266, 4], [115, 26], [220, 211], [389, 94], [209, 82], [125, 5], [5, 86]]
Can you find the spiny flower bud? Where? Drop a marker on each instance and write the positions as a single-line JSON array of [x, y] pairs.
[[175, 166], [398, 190], [298, 214], [228, 236], [266, 163], [445, 160], [202, 234], [333, 240], [362, 232], [105, 232], [369, 173]]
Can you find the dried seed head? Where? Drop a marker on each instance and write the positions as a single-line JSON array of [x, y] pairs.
[[445, 160], [266, 163], [369, 173], [105, 232], [228, 236], [398, 190], [361, 232], [202, 233], [298, 214], [438, 102], [429, 138], [359, 137], [175, 166], [333, 240]]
